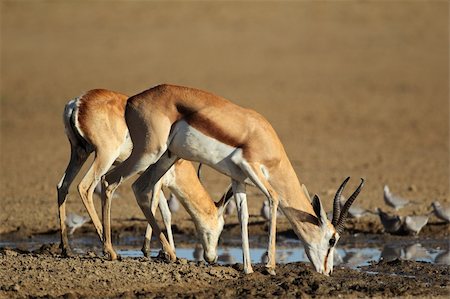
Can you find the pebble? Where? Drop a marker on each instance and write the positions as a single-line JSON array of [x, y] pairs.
[[9, 252]]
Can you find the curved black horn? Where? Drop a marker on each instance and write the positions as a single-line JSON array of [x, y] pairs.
[[340, 224], [337, 204]]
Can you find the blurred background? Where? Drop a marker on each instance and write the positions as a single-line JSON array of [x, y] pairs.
[[355, 88]]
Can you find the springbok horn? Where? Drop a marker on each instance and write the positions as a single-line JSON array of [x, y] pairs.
[[337, 204], [340, 224]]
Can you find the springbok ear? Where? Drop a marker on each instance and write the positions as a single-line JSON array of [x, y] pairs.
[[318, 209]]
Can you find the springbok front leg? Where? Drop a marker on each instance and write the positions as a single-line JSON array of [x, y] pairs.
[[253, 171], [161, 201], [147, 183], [241, 204], [77, 158]]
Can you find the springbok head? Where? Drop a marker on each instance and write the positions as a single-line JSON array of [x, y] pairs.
[[320, 246], [209, 230]]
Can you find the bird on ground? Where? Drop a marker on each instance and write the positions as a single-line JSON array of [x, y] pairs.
[[441, 212], [231, 206], [443, 258], [395, 201], [413, 224], [75, 221], [264, 257], [174, 204], [265, 211], [391, 223], [355, 211], [198, 253], [337, 258], [390, 252]]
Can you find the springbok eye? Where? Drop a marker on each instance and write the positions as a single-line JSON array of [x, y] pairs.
[[332, 241]]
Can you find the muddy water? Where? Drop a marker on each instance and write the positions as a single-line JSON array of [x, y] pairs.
[[351, 253]]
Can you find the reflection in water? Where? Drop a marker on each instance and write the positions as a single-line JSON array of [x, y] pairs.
[[348, 255]]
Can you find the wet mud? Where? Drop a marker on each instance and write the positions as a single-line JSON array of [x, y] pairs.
[[355, 88]]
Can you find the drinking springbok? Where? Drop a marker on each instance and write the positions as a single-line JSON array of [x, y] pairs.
[[170, 122], [94, 122]]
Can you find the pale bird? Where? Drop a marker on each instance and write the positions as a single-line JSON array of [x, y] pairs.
[[231, 206], [414, 224], [198, 253], [75, 221], [354, 211], [394, 201], [441, 212], [174, 204], [265, 257], [391, 223], [390, 253], [265, 211], [443, 258]]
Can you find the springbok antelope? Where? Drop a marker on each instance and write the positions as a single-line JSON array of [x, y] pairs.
[[169, 122], [95, 122]]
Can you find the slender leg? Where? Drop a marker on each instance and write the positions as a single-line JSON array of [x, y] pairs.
[[257, 177], [77, 158], [241, 204], [103, 161], [142, 188], [134, 164], [167, 217], [148, 232]]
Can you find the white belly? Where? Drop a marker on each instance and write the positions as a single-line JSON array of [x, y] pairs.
[[190, 144]]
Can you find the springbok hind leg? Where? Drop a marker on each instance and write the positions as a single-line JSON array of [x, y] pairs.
[[104, 159], [77, 158]]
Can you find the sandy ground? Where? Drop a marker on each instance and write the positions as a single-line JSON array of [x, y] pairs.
[[354, 89], [44, 274]]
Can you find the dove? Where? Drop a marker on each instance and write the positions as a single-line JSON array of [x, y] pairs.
[[394, 201], [75, 221], [441, 212], [354, 211], [443, 258], [414, 224], [390, 253], [174, 204], [198, 253], [231, 206], [391, 224], [265, 211]]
